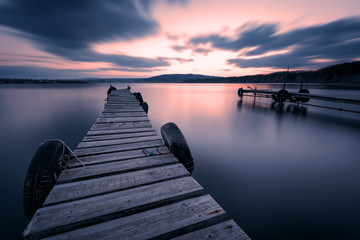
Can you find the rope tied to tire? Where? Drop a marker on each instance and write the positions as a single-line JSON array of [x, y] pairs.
[[72, 154], [149, 154], [50, 158]]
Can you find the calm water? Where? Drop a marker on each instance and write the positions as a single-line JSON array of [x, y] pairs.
[[280, 174]]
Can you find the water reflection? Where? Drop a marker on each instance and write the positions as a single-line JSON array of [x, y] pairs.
[[288, 108], [278, 172]]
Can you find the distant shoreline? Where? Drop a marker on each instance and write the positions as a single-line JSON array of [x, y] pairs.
[[345, 86], [340, 76]]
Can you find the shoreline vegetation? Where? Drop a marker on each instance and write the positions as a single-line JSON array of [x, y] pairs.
[[345, 75]]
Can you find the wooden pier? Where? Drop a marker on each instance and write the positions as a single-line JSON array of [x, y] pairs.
[[123, 191]]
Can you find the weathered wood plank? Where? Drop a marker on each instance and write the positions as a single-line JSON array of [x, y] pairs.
[[121, 106], [125, 96], [124, 114], [118, 136], [117, 156], [73, 215], [100, 170], [117, 148], [160, 223], [121, 119], [222, 231], [109, 126], [118, 131], [122, 101], [120, 110], [117, 141], [86, 188]]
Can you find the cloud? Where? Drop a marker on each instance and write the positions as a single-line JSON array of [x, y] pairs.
[[335, 41], [178, 59], [69, 28], [42, 73]]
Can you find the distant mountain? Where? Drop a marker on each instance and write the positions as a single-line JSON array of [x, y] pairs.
[[335, 74], [340, 74], [178, 78], [165, 78]]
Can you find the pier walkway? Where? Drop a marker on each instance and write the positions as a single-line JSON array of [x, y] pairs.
[[131, 187]]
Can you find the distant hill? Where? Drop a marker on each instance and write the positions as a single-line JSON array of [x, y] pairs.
[[165, 78], [340, 74], [178, 78], [335, 74]]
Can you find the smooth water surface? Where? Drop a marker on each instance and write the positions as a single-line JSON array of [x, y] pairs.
[[280, 173]]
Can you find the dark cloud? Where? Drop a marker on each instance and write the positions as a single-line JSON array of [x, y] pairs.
[[180, 2], [178, 59], [42, 73], [51, 73], [338, 40], [203, 51], [68, 28], [179, 48], [124, 69]]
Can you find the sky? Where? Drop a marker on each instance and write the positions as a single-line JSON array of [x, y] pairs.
[[143, 38]]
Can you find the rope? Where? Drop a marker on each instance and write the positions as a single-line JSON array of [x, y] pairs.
[[149, 154], [72, 153]]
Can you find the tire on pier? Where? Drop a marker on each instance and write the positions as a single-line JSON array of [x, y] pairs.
[[241, 92], [138, 97], [111, 88], [282, 95], [44, 168], [176, 142], [145, 106], [303, 99]]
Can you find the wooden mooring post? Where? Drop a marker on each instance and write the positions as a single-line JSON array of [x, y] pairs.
[[123, 192]]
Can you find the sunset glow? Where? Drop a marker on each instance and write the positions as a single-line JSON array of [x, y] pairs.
[[147, 38]]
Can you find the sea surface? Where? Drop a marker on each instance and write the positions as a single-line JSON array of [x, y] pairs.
[[281, 173]]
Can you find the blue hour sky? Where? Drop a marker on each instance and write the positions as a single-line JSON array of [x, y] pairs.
[[143, 38]]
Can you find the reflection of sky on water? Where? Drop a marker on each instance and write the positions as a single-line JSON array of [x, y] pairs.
[[279, 173]]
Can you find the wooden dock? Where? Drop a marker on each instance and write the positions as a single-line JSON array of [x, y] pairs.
[[122, 193]]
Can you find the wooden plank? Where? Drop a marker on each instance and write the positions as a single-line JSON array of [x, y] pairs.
[[121, 106], [120, 110], [121, 119], [122, 101], [74, 215], [108, 126], [92, 187], [118, 131], [124, 114], [222, 231], [160, 223], [117, 156], [117, 141], [100, 170], [117, 148], [124, 93], [118, 136]]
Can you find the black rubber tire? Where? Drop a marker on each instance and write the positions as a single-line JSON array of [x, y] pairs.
[[282, 95], [145, 106], [176, 142], [303, 99], [40, 177], [138, 97], [111, 88], [241, 92]]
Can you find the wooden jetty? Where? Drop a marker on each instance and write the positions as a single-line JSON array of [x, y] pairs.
[[122, 192]]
